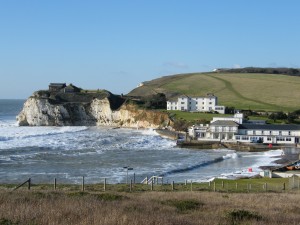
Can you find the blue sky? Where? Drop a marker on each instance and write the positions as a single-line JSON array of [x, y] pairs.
[[116, 44]]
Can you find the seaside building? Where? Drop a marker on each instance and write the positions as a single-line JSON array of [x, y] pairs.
[[56, 87], [237, 129], [208, 103], [62, 87]]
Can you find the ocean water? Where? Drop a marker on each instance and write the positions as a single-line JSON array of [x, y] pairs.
[[68, 153]]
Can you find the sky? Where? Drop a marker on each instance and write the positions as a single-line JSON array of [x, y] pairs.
[[117, 44]]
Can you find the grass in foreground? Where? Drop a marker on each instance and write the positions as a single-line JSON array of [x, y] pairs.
[[180, 208]]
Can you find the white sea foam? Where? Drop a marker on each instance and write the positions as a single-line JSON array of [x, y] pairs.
[[68, 153]]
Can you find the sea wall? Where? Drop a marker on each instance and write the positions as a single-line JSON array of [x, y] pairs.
[[42, 112]]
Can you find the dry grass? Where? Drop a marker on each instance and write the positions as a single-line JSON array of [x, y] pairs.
[[46, 207]]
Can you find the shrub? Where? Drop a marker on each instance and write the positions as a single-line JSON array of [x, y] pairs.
[[236, 216], [4, 221]]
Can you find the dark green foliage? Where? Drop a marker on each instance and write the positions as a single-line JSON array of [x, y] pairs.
[[277, 116], [237, 216], [4, 221], [181, 125], [291, 117], [183, 205], [157, 101], [284, 71], [229, 110]]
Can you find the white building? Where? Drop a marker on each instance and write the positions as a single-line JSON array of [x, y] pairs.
[[196, 104], [269, 133], [235, 129]]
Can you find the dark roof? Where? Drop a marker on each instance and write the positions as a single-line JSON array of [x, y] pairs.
[[224, 123], [269, 126], [57, 84]]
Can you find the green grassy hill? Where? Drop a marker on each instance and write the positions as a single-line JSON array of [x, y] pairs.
[[255, 91]]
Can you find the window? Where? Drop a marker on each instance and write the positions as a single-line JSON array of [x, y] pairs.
[[210, 103], [237, 138], [289, 132], [182, 103], [269, 139], [288, 139]]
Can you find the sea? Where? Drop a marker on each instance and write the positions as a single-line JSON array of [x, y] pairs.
[[68, 153]]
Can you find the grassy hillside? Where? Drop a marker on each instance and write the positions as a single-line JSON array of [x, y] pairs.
[[255, 91]]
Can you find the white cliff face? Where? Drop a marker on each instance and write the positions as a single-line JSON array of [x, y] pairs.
[[39, 112]]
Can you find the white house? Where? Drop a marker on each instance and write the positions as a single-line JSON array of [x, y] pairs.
[[269, 133], [196, 104], [235, 129]]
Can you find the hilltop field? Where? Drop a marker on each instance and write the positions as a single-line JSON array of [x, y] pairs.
[[247, 91]]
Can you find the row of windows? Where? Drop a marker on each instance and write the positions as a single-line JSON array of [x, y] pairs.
[[268, 138], [203, 103], [196, 98], [267, 132]]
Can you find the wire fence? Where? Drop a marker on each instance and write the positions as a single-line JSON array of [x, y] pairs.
[[158, 184]]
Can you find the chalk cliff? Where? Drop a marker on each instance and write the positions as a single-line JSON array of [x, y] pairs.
[[44, 111]]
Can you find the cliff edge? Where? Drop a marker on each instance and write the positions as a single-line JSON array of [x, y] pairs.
[[100, 108]]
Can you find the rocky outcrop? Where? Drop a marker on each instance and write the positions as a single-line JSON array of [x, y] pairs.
[[40, 111]]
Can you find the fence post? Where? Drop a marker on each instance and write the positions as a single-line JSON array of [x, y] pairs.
[[147, 180], [162, 181], [214, 186], [283, 186], [222, 184], [236, 185], [82, 188], [250, 187], [104, 185], [191, 185], [172, 185], [151, 185], [130, 187], [29, 183], [185, 183], [54, 183], [134, 178], [266, 186]]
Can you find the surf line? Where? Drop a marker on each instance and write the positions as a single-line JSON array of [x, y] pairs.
[[189, 168]]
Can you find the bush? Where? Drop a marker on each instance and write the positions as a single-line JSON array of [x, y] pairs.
[[4, 221], [236, 216]]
